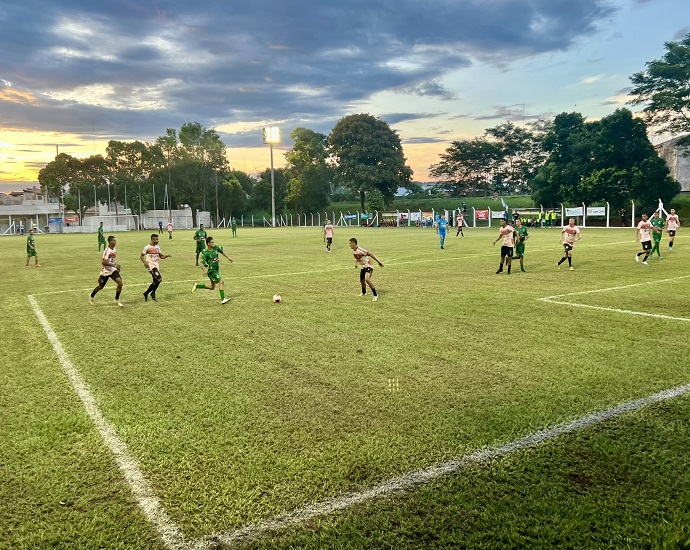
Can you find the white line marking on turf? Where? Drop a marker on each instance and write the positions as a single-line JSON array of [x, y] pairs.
[[143, 493], [654, 282], [554, 300], [615, 310], [408, 481]]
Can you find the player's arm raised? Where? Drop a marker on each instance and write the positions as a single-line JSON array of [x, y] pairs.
[[375, 258]]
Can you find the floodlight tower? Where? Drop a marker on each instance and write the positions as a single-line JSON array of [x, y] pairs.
[[272, 136]]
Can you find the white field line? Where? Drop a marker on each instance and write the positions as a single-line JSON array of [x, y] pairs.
[[554, 300], [169, 532], [419, 477], [615, 310]]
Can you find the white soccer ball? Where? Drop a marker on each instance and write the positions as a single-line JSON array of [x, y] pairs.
[[276, 298]]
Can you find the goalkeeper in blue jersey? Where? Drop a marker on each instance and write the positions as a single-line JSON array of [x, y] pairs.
[[441, 226]]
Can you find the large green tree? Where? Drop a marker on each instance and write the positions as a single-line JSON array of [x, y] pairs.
[[309, 176], [131, 166], [191, 158], [521, 155], [368, 155], [261, 195], [608, 160], [90, 178], [75, 180], [664, 89], [467, 166]]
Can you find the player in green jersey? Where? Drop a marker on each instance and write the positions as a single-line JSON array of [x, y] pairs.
[[31, 249], [657, 230], [233, 226], [101, 237], [200, 238], [211, 262], [522, 236]]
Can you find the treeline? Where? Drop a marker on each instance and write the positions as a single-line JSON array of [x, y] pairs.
[[565, 160], [362, 158]]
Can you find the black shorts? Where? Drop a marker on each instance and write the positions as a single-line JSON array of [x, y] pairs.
[[329, 240], [646, 245], [364, 271], [155, 274], [103, 279], [506, 251], [671, 232], [568, 247]]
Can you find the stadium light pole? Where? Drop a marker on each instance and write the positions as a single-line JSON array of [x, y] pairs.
[[216, 169], [272, 137]]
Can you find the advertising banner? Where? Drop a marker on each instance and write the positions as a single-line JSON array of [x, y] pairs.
[[482, 214]]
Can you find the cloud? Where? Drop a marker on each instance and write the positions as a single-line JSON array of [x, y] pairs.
[[681, 33], [395, 118], [423, 140], [133, 69]]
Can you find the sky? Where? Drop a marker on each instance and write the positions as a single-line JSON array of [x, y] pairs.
[[75, 74]]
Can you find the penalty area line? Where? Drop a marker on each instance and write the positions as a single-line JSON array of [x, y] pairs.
[[420, 477], [169, 532], [615, 310]]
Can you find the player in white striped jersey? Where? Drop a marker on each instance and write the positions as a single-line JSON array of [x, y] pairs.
[[569, 235], [110, 269], [672, 223], [367, 268], [150, 257]]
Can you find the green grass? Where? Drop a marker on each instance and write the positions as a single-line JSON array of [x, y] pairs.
[[241, 412]]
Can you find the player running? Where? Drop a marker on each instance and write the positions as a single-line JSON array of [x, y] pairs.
[[150, 257], [367, 268], [31, 249], [200, 238], [507, 233], [110, 269], [672, 223], [211, 262], [569, 235], [644, 228], [522, 236]]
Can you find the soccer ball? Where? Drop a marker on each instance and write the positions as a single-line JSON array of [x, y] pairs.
[[276, 298]]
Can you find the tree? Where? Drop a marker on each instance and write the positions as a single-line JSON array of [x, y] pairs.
[[57, 175], [375, 201], [664, 88], [90, 177], [521, 152], [246, 181], [232, 197], [131, 164], [467, 166], [309, 176], [368, 155], [608, 160], [261, 196], [192, 155]]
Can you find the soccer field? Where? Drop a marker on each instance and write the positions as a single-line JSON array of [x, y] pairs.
[[331, 421]]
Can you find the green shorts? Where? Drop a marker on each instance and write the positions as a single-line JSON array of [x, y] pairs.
[[520, 250], [31, 253], [101, 240], [214, 276], [200, 246]]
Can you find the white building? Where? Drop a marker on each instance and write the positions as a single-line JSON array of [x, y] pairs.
[[678, 160]]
